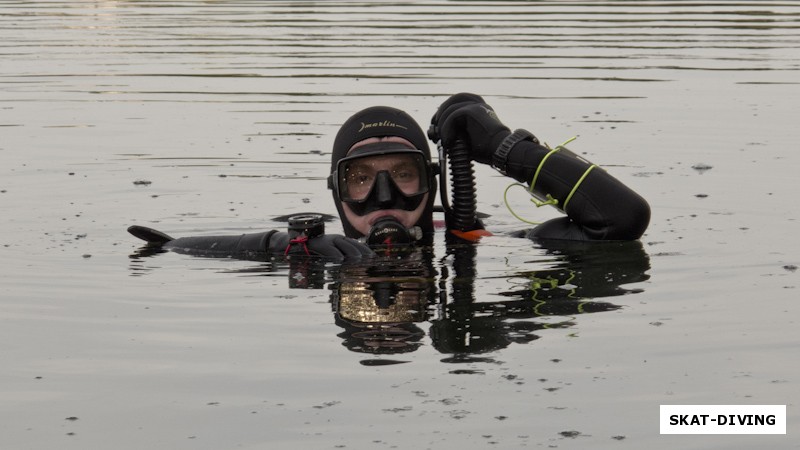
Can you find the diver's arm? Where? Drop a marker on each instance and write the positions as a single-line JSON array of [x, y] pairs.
[[267, 243], [244, 244], [252, 243], [598, 206]]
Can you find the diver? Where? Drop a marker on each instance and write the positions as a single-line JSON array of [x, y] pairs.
[[384, 185]]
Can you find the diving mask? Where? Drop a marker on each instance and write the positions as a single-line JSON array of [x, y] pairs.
[[382, 176]]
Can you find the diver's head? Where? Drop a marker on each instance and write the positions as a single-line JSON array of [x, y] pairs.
[[382, 179], [381, 170]]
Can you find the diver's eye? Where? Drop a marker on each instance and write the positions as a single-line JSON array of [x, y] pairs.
[[359, 181]]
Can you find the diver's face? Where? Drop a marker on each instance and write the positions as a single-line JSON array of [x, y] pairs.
[[385, 163]]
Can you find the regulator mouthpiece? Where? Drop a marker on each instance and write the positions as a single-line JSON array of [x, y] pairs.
[[388, 233]]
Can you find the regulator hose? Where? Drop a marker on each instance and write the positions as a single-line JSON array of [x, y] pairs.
[[464, 209]]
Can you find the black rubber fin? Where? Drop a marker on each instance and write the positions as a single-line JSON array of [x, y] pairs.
[[150, 235]]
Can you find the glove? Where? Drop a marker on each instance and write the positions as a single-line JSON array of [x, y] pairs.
[[468, 118], [458, 100], [327, 245]]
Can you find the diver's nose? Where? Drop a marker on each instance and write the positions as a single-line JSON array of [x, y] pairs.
[[384, 189]]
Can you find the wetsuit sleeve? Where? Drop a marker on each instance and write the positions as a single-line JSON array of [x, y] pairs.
[[270, 243], [597, 205], [252, 244]]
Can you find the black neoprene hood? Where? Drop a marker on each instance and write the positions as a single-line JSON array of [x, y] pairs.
[[380, 121], [377, 121]]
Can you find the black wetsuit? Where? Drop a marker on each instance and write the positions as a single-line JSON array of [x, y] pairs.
[[251, 245], [598, 207], [602, 208]]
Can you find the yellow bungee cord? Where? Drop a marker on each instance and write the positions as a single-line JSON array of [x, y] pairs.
[[549, 198]]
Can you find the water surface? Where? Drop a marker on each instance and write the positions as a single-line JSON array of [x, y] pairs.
[[213, 117]]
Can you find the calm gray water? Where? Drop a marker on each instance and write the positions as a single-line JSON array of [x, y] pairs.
[[201, 117]]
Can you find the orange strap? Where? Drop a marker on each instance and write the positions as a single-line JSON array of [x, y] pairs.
[[472, 236]]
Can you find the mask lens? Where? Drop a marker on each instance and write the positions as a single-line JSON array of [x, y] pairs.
[[357, 176]]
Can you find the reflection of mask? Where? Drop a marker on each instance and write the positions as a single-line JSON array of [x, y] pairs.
[[379, 316], [378, 305], [382, 302]]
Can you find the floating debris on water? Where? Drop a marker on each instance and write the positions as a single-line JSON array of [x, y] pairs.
[[142, 182], [570, 434], [466, 372], [398, 409], [790, 267], [701, 195], [381, 362], [327, 404], [647, 174], [458, 414], [702, 168]]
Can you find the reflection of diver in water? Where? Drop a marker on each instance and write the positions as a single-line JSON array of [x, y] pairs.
[[384, 304], [585, 271], [568, 288], [381, 308]]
